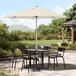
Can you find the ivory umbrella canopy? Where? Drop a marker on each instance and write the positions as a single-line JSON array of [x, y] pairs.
[[32, 13], [35, 13]]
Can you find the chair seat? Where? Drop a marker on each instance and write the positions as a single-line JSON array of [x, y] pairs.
[[52, 56], [32, 58], [59, 55]]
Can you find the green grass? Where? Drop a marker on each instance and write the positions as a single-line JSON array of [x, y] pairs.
[[41, 42]]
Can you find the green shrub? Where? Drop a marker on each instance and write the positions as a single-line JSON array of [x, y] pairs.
[[64, 44], [5, 53], [73, 46], [18, 52], [19, 45], [28, 46], [2, 53], [32, 46], [54, 45], [5, 45], [9, 53], [13, 45]]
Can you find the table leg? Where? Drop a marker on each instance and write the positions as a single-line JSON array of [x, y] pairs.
[[42, 59], [30, 59]]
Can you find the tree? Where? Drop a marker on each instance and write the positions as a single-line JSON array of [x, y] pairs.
[[71, 13], [3, 32], [43, 31], [29, 35], [55, 26], [3, 35], [17, 35]]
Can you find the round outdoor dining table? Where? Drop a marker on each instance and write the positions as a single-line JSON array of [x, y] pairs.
[[40, 51]]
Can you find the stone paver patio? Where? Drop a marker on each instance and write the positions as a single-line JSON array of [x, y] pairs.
[[70, 70]]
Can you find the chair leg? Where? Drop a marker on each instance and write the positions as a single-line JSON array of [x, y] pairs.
[[15, 63], [49, 62], [36, 63], [30, 66], [33, 65], [12, 62], [56, 62], [26, 63], [64, 62], [23, 63]]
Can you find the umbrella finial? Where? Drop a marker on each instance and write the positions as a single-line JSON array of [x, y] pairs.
[[36, 6]]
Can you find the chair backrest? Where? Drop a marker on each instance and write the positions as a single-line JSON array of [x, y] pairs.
[[46, 47], [61, 51], [24, 52]]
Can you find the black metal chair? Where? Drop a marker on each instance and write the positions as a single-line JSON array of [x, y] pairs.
[[15, 58], [50, 56], [56, 55], [60, 54], [26, 57]]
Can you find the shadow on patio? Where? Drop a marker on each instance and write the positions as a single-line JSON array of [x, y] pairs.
[[60, 67]]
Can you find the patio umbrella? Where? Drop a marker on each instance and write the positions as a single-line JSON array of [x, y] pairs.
[[35, 13]]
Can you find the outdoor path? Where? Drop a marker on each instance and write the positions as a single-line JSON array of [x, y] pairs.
[[70, 70]]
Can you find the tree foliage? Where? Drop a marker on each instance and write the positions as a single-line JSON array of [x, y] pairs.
[[4, 35], [55, 26], [71, 13], [52, 30], [3, 32], [16, 35], [43, 29]]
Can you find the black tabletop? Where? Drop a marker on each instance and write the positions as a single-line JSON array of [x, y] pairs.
[[37, 50]]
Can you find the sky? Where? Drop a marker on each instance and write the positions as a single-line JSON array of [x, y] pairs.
[[8, 7]]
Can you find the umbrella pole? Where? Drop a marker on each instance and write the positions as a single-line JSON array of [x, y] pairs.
[[36, 34]]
